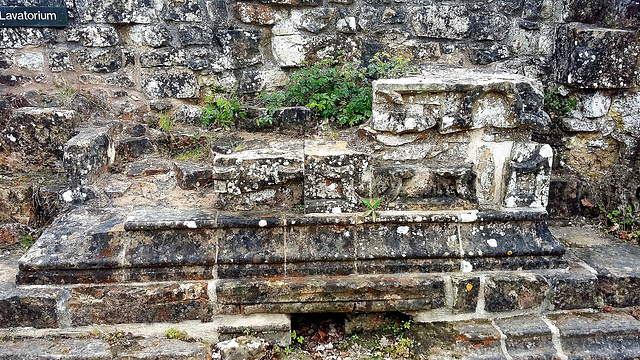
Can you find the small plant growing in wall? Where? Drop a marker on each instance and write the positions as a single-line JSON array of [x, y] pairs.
[[559, 104], [336, 89], [222, 107], [371, 205]]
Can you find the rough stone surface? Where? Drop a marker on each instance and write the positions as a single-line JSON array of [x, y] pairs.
[[242, 348], [170, 303], [170, 83], [592, 57], [505, 293], [87, 155], [36, 135]]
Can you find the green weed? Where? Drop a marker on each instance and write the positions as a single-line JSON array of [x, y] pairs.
[[222, 107], [371, 207], [558, 104]]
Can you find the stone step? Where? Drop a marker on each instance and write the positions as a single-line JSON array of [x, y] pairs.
[[577, 335], [89, 245]]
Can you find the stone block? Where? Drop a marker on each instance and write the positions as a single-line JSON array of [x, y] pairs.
[[514, 292], [133, 147], [90, 349], [156, 35], [135, 304], [508, 239], [100, 60], [295, 3], [117, 12], [240, 48], [187, 11], [527, 337], [94, 35], [163, 57], [575, 289], [170, 248], [255, 14], [251, 246], [255, 170], [37, 135], [596, 58], [462, 102], [289, 50], [465, 294], [442, 22], [29, 61], [321, 243], [489, 25], [192, 176], [242, 348], [312, 20], [15, 80], [175, 349], [60, 61], [528, 176], [169, 83], [600, 335], [19, 309], [194, 34], [18, 37], [87, 155], [415, 241], [618, 275], [418, 187], [564, 198], [333, 173]]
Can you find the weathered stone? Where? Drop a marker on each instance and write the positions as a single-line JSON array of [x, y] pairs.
[[15, 80], [564, 198], [133, 147], [99, 60], [87, 155], [332, 172], [528, 175], [37, 135], [90, 349], [60, 61], [195, 34], [617, 267], [312, 20], [294, 2], [242, 348], [527, 337], [163, 57], [347, 25], [187, 10], [488, 26], [254, 170], [511, 292], [574, 289], [19, 309], [94, 35], [147, 168], [117, 12], [240, 48], [218, 12], [17, 37], [255, 14], [188, 114], [251, 246], [146, 349], [599, 335], [29, 61], [592, 57], [169, 83], [289, 50], [7, 59], [120, 304], [465, 294], [191, 176], [442, 22], [150, 35], [477, 102]]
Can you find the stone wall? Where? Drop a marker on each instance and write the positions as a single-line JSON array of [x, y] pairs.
[[134, 58]]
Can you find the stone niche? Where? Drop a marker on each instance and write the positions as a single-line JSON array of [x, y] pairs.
[[451, 139]]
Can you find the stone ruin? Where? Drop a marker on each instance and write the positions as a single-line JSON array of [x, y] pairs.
[[460, 232]]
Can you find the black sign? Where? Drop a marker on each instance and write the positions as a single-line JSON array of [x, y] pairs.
[[39, 16]]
